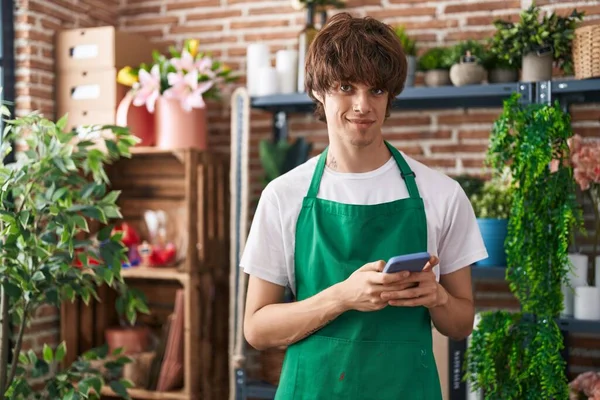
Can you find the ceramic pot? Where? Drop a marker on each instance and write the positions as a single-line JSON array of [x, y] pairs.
[[494, 232], [177, 128], [467, 73], [138, 119], [503, 75], [437, 77], [537, 67]]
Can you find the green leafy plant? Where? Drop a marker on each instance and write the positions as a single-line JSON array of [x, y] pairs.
[[517, 355], [470, 184], [49, 197], [435, 58], [532, 33], [459, 50], [492, 61], [494, 200], [282, 156], [409, 45]]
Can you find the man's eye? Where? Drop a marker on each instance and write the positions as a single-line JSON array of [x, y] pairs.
[[378, 92], [345, 88]]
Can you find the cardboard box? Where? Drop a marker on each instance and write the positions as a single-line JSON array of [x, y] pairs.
[[88, 90], [80, 118], [99, 48]]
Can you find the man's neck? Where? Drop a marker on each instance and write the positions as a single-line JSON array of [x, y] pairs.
[[346, 158]]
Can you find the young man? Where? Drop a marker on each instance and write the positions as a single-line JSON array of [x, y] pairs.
[[327, 227]]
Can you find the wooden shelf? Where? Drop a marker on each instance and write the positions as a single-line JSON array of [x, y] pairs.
[[163, 274], [148, 394], [152, 150]]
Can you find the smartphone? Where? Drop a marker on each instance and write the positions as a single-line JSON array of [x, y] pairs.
[[414, 262]]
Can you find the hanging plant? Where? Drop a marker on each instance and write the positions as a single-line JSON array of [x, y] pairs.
[[517, 355]]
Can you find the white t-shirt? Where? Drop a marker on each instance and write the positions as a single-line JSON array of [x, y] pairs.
[[452, 231]]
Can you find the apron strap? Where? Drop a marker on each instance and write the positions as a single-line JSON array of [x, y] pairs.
[[407, 174]]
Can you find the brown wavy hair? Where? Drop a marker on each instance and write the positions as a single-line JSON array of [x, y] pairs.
[[357, 50]]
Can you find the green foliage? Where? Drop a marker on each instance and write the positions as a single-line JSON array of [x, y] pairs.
[[513, 357], [494, 200], [435, 58], [409, 45], [459, 50], [282, 156], [48, 198], [532, 33]]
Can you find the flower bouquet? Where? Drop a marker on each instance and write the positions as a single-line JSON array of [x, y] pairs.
[[174, 88]]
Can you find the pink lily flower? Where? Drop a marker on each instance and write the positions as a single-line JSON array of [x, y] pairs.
[[187, 89], [147, 89]]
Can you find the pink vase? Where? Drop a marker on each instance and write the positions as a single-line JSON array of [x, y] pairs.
[[138, 119], [177, 128]]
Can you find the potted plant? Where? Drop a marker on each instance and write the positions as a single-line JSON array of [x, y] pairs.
[[174, 88], [436, 63], [537, 43], [492, 204], [410, 50], [466, 57], [516, 355], [282, 156], [49, 197], [499, 69]]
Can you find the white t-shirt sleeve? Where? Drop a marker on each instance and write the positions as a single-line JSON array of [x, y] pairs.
[[264, 255], [461, 243]]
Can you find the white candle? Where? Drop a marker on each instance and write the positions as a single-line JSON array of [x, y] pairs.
[[267, 81], [287, 68], [257, 57], [587, 303]]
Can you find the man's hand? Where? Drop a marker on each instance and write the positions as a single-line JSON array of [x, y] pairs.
[[421, 289], [363, 289]]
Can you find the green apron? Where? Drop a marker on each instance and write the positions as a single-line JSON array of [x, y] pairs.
[[379, 355]]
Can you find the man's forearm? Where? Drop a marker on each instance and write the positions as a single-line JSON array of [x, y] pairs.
[[454, 318], [286, 323]]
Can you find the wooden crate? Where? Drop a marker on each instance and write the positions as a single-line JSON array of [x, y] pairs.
[[192, 186]]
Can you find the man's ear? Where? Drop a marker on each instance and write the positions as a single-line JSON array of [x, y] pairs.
[[318, 97]]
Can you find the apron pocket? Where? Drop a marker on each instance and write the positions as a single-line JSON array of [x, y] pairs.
[[332, 368]]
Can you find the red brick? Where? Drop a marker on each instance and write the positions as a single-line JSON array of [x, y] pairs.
[[475, 134], [403, 12], [489, 19], [587, 131], [482, 6], [51, 339], [48, 23], [195, 28], [46, 311], [462, 148], [473, 163], [259, 24], [150, 33], [184, 5], [271, 10], [418, 135], [153, 21], [578, 114], [397, 119], [470, 35], [437, 162], [467, 118], [140, 10], [589, 10], [219, 39], [405, 1], [362, 3], [42, 8], [203, 16]]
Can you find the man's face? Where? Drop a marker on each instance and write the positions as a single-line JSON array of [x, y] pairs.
[[355, 113]]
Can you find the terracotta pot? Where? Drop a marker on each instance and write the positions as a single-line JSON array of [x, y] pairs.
[[437, 77], [537, 67], [138, 119], [179, 129], [132, 339]]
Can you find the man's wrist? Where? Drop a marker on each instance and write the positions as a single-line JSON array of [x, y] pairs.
[[337, 299], [443, 296]]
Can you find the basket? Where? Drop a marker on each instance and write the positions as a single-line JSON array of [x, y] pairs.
[[271, 361], [586, 52]]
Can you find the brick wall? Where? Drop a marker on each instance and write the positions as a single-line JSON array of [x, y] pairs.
[[452, 140]]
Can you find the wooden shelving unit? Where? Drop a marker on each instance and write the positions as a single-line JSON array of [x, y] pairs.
[[192, 187]]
